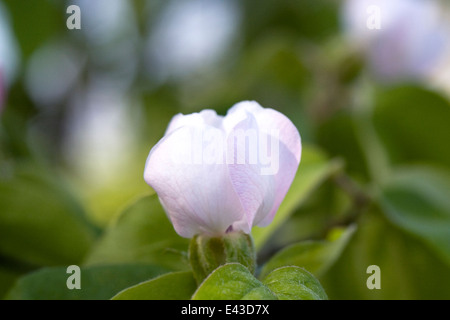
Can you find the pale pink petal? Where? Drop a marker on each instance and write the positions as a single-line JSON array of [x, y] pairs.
[[269, 121], [283, 179], [255, 190], [281, 162], [275, 124], [239, 112], [206, 116], [187, 169]]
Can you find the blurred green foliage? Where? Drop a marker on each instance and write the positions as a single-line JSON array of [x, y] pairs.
[[97, 281], [376, 158]]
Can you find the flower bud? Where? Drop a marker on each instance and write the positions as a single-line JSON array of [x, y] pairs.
[[215, 174]]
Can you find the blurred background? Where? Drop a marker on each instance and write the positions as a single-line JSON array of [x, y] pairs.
[[366, 82]]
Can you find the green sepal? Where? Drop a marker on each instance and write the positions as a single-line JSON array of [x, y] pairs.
[[206, 253]]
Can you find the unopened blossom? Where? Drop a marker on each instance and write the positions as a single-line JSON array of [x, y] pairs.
[[402, 39], [215, 174]]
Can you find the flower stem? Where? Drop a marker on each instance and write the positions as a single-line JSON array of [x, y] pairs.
[[208, 253]]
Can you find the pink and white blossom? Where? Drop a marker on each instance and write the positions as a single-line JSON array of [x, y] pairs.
[[214, 174], [401, 39]]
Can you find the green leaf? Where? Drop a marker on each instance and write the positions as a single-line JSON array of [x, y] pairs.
[[98, 282], [340, 137], [41, 223], [142, 234], [171, 286], [232, 281], [408, 269], [413, 124], [294, 283], [417, 200], [7, 278], [49, 11], [313, 170], [315, 256], [312, 19]]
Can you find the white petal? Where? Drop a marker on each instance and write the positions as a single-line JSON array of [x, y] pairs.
[[285, 145], [255, 190], [277, 125], [282, 179], [187, 169], [206, 116], [238, 113]]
